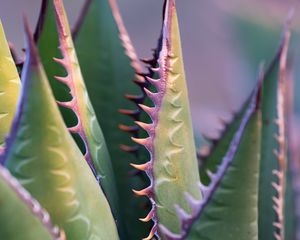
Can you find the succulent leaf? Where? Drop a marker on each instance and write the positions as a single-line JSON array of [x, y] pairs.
[[46, 29], [101, 38], [26, 216], [281, 152], [170, 141], [87, 127], [230, 200], [269, 162], [9, 87], [42, 155], [219, 146]]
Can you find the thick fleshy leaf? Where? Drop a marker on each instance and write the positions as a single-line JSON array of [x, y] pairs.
[[281, 137], [229, 206], [46, 29], [87, 127], [269, 162], [233, 207], [9, 87], [170, 142], [109, 65], [42, 155], [219, 147], [21, 216]]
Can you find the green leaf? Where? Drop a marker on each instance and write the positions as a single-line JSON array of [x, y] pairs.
[[232, 209], [9, 87], [220, 146], [229, 206], [267, 215], [109, 65], [96, 153], [171, 141], [280, 185], [42, 155], [21, 216], [45, 30]]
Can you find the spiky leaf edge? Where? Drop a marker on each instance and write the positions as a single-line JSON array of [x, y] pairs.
[[208, 191], [155, 90], [281, 153]]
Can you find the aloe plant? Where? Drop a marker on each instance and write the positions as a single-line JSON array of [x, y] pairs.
[[71, 173]]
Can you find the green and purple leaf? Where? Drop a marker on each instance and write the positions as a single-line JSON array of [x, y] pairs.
[[110, 67], [269, 164], [170, 139], [42, 155], [217, 148], [229, 202], [10, 85], [21, 215], [87, 127], [281, 137]]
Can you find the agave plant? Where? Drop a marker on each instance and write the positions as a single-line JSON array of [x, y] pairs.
[[70, 173]]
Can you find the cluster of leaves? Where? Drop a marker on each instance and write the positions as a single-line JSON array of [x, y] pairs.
[[69, 178]]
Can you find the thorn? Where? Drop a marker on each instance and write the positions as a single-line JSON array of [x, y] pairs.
[[149, 216], [169, 235], [149, 110], [69, 104], [155, 69], [142, 167], [152, 233], [148, 127], [194, 203], [181, 213], [61, 62], [144, 192], [276, 202], [153, 96], [64, 80], [204, 189], [277, 225], [276, 186], [75, 129], [155, 82], [210, 174], [145, 142]]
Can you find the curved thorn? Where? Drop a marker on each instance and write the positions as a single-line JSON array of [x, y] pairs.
[[142, 167], [144, 192], [148, 217], [146, 126]]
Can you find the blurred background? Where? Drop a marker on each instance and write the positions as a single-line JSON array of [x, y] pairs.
[[224, 42]]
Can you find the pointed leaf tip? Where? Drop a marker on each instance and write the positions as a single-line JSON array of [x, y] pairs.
[[31, 48], [41, 20]]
